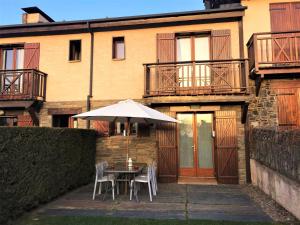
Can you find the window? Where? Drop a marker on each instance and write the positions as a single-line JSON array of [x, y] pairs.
[[75, 50], [105, 128], [9, 121], [12, 59], [62, 121], [118, 48]]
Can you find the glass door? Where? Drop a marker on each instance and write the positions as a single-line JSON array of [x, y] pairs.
[[196, 145], [13, 59]]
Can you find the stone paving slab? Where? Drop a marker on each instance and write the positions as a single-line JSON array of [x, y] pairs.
[[229, 216], [174, 201]]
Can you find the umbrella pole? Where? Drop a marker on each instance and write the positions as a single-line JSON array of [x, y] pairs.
[[128, 130]]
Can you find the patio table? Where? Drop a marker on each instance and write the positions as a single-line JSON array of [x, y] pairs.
[[128, 172]]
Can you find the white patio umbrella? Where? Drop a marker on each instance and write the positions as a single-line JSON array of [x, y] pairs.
[[127, 111]]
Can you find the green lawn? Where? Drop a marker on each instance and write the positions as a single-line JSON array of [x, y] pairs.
[[81, 220]]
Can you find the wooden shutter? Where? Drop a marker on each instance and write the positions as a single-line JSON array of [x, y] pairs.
[[222, 76], [288, 108], [226, 147], [221, 44], [296, 15], [31, 55], [25, 121], [102, 128], [280, 17], [31, 61], [166, 52], [167, 151], [166, 48]]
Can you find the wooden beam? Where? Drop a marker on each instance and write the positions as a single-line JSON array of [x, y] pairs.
[[62, 111], [15, 104], [258, 81], [245, 112]]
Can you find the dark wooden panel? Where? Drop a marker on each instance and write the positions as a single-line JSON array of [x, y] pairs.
[[226, 147], [167, 151]]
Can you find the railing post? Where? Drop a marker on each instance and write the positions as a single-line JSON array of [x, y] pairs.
[[44, 86], [32, 84], [145, 79], [255, 52], [246, 74]]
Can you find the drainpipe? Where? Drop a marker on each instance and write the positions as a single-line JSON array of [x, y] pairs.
[[90, 95]]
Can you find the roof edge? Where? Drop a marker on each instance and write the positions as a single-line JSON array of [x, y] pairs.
[[126, 18]]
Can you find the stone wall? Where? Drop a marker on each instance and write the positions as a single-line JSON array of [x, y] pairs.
[[278, 150], [262, 108], [46, 117], [114, 149]]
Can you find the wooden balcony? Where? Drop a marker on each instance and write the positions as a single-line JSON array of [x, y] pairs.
[[22, 85], [214, 77], [274, 53]]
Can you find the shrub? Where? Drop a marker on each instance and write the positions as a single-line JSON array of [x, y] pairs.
[[39, 164]]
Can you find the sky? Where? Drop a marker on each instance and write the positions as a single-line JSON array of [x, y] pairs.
[[66, 10]]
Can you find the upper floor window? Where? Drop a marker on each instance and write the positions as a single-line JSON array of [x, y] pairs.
[[12, 58], [75, 50], [118, 48]]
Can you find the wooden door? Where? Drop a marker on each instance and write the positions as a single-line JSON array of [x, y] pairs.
[[226, 147], [167, 151], [195, 144]]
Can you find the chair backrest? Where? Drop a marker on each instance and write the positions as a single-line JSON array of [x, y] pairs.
[[149, 172], [100, 168]]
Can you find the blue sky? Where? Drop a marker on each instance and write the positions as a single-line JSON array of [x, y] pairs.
[[59, 10]]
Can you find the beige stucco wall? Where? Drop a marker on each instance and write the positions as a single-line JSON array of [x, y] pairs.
[[125, 79], [69, 81], [66, 80]]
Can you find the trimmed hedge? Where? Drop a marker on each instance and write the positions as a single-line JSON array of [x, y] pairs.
[[39, 164]]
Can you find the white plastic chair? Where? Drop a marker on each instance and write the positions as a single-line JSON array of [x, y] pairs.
[[100, 178], [154, 179], [142, 179]]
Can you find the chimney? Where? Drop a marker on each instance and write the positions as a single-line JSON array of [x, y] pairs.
[[221, 4], [35, 15]]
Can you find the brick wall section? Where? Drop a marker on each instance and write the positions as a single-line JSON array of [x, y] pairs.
[[262, 108], [114, 149], [278, 150]]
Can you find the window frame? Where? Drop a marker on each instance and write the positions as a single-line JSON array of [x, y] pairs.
[[117, 39], [80, 53]]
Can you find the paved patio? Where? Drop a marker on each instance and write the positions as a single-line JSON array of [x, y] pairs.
[[174, 201]]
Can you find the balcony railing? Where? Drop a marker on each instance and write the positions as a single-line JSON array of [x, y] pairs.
[[196, 78], [274, 52], [24, 84]]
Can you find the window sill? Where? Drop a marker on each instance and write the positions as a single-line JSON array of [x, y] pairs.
[[118, 59], [74, 61]]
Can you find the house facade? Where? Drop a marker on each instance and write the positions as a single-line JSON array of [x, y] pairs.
[[210, 69]]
